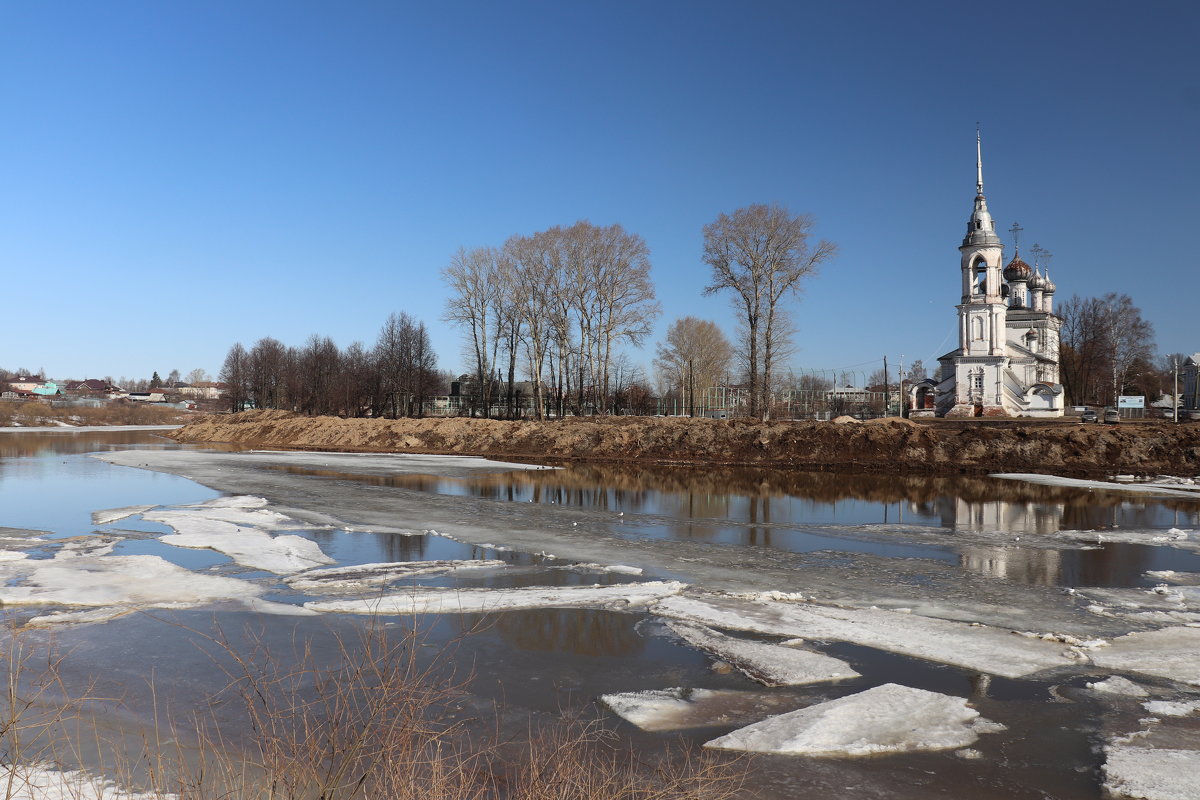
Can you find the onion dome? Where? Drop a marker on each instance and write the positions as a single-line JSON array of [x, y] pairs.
[[1017, 270], [1049, 287], [1037, 281]]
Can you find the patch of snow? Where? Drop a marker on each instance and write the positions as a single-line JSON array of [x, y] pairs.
[[44, 782], [12, 555], [659, 710], [769, 664], [1171, 576], [1117, 685], [1172, 653], [616, 569], [111, 515], [421, 600], [886, 719], [971, 646], [1171, 708], [1152, 774]]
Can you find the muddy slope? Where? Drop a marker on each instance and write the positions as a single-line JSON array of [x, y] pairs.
[[879, 446]]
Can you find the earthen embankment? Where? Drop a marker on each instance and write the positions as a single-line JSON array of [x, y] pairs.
[[883, 446]]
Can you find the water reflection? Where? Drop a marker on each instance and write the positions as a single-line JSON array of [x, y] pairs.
[[576, 631]]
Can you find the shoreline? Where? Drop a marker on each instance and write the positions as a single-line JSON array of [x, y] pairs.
[[884, 446]]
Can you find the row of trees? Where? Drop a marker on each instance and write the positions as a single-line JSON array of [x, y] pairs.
[[394, 378], [557, 303], [1106, 350]]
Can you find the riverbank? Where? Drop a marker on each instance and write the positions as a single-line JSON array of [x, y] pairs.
[[933, 447]]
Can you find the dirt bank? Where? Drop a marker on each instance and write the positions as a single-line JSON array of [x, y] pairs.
[[901, 446]]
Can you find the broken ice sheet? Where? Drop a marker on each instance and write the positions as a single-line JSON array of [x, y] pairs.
[[886, 719], [1171, 653], [138, 581], [769, 664], [1151, 773], [110, 515], [974, 647], [423, 600], [659, 710], [353, 579]]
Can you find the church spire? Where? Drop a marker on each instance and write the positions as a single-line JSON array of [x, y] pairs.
[[981, 229], [978, 162]]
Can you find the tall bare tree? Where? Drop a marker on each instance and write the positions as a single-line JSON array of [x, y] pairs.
[[1103, 345], [235, 374], [694, 357], [473, 304], [761, 254], [1130, 340]]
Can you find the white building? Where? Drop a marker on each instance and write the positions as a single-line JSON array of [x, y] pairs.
[[1006, 364]]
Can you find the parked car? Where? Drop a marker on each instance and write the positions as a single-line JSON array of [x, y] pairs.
[[1112, 416], [1089, 415]]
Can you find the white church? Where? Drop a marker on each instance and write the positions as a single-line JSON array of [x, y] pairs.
[[1006, 364]]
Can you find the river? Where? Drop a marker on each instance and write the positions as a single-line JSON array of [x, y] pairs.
[[1078, 562]]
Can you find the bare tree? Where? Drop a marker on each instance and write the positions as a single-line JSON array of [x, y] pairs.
[[235, 375], [267, 366], [1130, 340], [761, 254], [475, 292], [695, 356]]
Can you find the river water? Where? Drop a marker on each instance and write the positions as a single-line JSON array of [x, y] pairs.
[[996, 542]]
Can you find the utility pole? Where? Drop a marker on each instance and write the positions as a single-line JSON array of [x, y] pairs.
[[900, 387], [887, 389], [1175, 393]]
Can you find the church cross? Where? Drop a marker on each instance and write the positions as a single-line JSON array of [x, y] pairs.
[[1015, 230]]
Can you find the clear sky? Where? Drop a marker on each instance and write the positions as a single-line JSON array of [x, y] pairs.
[[180, 176]]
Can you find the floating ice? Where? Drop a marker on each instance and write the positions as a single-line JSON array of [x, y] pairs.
[[111, 515], [1171, 708], [117, 581], [886, 719], [659, 710], [1159, 489], [1171, 576], [1118, 686], [975, 647], [421, 600], [770, 664], [1152, 774], [1172, 653], [355, 578]]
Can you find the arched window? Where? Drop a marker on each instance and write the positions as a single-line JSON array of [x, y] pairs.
[[977, 328]]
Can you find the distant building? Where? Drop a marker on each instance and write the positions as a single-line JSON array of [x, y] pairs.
[[1189, 381], [1006, 364]]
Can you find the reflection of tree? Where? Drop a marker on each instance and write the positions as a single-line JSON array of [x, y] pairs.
[[556, 630]]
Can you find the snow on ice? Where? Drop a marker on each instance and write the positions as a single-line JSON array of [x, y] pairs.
[[660, 710], [1172, 653], [342, 580], [886, 719], [422, 600], [770, 664], [1152, 773], [971, 646]]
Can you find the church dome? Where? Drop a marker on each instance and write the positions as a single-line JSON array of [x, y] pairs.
[[1049, 287], [1037, 281], [1017, 270]]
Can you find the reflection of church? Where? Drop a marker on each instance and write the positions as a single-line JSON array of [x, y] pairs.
[[1006, 364]]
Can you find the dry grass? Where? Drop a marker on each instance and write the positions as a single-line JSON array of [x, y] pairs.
[[35, 414], [378, 719]]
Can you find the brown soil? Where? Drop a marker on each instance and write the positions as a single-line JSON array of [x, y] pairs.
[[890, 445]]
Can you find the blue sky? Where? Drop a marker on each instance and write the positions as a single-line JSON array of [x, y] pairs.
[[178, 177]]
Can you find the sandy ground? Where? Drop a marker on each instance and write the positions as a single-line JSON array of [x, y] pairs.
[[889, 445]]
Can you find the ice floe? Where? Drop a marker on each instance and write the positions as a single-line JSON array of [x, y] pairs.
[[1171, 708], [117, 581], [110, 515], [356, 578], [1116, 685], [1171, 576], [971, 646], [659, 710], [1160, 489], [886, 719], [770, 664], [1172, 653], [422, 600], [1152, 773], [239, 527]]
